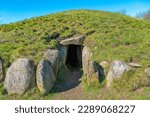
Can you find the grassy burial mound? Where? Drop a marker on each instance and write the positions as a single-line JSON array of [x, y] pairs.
[[110, 36]]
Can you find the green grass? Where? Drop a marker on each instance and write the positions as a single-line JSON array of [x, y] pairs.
[[111, 36]]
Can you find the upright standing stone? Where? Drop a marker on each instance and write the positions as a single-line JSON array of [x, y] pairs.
[[105, 65], [90, 68], [45, 77], [20, 76], [63, 54], [53, 56]]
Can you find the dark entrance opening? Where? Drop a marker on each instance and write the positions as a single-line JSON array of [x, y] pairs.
[[74, 56]]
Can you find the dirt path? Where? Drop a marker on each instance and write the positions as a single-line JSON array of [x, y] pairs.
[[71, 88]]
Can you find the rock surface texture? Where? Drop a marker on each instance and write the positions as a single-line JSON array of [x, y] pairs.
[[53, 56], [91, 70], [63, 54], [135, 65], [45, 77], [1, 70], [75, 41], [117, 69], [147, 71], [20, 76], [105, 65]]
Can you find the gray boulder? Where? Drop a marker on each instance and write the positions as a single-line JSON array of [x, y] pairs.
[[63, 54], [74, 40], [117, 69], [20, 76], [1, 70], [92, 71], [53, 56], [45, 77]]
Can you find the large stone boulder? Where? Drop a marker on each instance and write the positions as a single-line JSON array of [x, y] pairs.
[[45, 77], [1, 70], [92, 71], [53, 56], [20, 76], [74, 40], [117, 69]]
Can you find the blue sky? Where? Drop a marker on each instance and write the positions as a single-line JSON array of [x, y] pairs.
[[16, 10]]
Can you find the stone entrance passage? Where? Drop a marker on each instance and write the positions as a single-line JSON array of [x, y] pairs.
[[73, 51], [74, 56]]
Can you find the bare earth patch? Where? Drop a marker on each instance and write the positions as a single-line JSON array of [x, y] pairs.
[[71, 88]]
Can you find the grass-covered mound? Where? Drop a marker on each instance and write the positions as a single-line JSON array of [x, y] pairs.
[[111, 36]]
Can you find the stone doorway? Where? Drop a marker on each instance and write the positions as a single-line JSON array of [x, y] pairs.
[[71, 56], [74, 56], [72, 51]]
